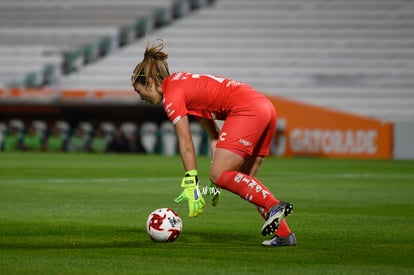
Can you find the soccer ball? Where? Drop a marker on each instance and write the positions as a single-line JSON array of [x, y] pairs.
[[164, 225]]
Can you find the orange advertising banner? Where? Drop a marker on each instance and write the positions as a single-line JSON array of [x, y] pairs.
[[307, 130]]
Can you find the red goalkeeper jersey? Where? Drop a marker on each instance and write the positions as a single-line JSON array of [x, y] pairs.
[[206, 96]]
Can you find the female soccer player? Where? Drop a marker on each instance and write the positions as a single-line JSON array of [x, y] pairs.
[[238, 148]]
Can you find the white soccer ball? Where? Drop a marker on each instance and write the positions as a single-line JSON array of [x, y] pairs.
[[164, 225]]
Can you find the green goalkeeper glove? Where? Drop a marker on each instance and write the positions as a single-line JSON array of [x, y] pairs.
[[192, 194], [214, 191]]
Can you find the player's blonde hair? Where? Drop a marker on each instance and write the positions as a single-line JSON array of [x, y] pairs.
[[154, 65]]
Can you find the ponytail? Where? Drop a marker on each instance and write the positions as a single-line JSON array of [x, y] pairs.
[[153, 65]]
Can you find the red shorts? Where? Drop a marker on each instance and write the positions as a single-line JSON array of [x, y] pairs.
[[249, 132]]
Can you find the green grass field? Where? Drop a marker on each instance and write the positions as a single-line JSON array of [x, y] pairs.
[[86, 214]]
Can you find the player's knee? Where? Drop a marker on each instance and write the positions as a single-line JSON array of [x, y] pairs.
[[215, 172], [218, 176], [214, 176]]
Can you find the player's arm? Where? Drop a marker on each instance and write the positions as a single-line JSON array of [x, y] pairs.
[[211, 128], [190, 181], [185, 144]]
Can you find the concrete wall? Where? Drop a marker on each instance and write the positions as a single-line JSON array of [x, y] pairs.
[[404, 140]]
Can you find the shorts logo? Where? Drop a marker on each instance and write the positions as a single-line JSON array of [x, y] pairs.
[[223, 136], [245, 142]]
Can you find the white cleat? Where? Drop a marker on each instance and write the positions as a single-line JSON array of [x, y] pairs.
[[279, 241]]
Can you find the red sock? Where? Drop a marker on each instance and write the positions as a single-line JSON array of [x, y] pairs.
[[283, 230], [247, 188]]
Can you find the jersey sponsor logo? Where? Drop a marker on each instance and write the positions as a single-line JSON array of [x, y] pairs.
[[245, 142]]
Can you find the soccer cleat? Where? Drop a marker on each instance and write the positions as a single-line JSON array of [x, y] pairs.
[[276, 214], [279, 241]]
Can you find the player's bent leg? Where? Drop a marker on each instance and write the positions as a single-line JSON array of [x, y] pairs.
[[225, 175], [251, 165], [224, 160], [283, 230]]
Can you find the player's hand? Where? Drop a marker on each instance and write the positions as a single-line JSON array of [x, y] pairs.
[[192, 194]]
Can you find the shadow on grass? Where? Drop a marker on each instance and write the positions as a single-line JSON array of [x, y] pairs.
[[71, 236]]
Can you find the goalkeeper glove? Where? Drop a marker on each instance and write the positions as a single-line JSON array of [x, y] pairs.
[[191, 193], [214, 191]]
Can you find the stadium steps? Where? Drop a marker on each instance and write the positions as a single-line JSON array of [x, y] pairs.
[[334, 53], [356, 56], [75, 32]]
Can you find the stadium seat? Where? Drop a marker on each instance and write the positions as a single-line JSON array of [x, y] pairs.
[[128, 128], [87, 129], [64, 128], [41, 128], [149, 136], [3, 132], [109, 129], [18, 124], [168, 139]]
